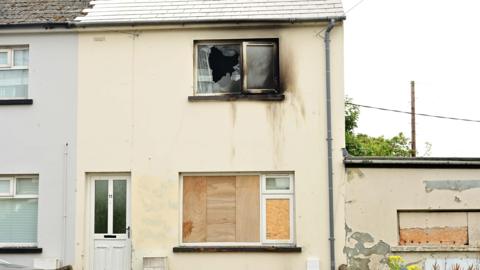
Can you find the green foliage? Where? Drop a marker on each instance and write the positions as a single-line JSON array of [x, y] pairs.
[[352, 113], [363, 145]]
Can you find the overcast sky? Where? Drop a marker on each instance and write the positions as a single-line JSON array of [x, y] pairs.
[[388, 43]]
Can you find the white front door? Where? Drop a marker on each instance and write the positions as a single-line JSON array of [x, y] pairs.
[[110, 230]]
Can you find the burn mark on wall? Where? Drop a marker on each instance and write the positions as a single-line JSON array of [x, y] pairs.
[[288, 80], [365, 254], [454, 185], [275, 114]]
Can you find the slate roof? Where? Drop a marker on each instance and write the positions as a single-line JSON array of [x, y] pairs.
[[28, 12], [209, 11]]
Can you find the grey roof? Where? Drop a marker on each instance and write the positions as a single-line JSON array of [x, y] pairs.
[[27, 12], [209, 11]]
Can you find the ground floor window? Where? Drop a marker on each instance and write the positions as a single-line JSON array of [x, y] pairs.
[[18, 210], [241, 208]]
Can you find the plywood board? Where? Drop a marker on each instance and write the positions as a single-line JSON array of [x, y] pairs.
[[248, 208], [278, 219], [433, 228], [194, 209], [221, 201], [434, 236]]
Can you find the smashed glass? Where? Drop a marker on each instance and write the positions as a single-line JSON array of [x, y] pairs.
[[219, 68]]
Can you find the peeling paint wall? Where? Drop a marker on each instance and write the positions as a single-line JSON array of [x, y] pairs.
[[424, 205], [134, 116]]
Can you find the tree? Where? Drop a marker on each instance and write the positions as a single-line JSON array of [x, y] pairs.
[[363, 145]]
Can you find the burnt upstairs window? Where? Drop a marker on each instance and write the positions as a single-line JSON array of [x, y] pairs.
[[237, 67]]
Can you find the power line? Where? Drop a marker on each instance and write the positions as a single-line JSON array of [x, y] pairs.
[[420, 114], [354, 6]]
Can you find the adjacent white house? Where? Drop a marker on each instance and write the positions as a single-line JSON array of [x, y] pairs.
[[38, 82]]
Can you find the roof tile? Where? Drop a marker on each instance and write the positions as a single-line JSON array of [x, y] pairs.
[[138, 11], [18, 12]]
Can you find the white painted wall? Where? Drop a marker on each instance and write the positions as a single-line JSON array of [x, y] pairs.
[[33, 137]]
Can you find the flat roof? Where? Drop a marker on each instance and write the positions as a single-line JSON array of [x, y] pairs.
[[412, 162]]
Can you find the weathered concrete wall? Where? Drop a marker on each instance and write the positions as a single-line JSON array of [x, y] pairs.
[[429, 206], [134, 116], [33, 137]]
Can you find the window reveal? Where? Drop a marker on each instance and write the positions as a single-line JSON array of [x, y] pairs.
[[235, 68]]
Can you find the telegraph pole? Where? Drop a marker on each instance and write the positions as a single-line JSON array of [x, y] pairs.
[[414, 140]]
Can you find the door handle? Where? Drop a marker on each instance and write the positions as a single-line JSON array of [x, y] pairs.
[[128, 232]]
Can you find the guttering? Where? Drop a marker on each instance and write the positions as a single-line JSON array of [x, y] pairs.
[[45, 25], [133, 23], [331, 237]]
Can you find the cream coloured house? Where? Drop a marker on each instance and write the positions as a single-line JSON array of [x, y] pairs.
[[203, 135]]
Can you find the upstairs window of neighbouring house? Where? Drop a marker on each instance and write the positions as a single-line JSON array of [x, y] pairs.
[[13, 72], [237, 67], [233, 209], [18, 210]]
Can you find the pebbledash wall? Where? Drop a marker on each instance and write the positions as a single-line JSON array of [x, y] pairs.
[[425, 210], [34, 138], [134, 116]]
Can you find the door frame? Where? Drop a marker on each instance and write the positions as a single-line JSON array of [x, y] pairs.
[[90, 212]]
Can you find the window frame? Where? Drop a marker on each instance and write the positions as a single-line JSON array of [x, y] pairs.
[[11, 66], [262, 176], [13, 196], [279, 191], [263, 229], [14, 49], [9, 58], [11, 187], [242, 43]]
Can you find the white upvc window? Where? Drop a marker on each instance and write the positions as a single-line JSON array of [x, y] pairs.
[[277, 209], [238, 209], [18, 210], [14, 72]]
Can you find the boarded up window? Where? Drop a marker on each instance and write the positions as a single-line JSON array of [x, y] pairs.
[[434, 228], [221, 209], [278, 219]]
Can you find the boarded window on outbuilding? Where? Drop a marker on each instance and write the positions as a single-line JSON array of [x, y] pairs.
[[452, 228]]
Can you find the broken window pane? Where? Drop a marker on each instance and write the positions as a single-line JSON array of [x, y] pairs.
[[261, 67], [219, 69]]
